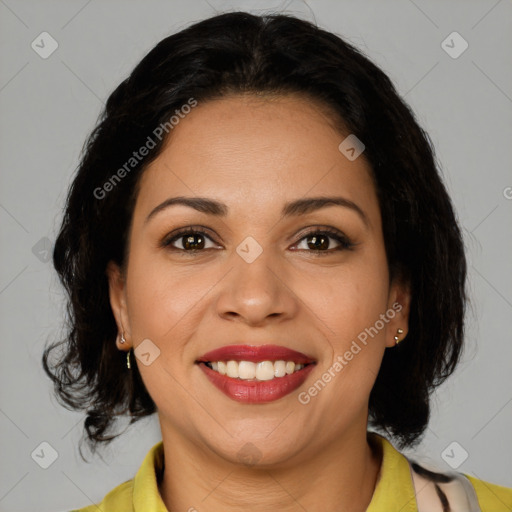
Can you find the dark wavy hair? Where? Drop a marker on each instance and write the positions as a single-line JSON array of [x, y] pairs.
[[235, 53]]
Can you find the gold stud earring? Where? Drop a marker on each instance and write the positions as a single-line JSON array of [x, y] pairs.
[[128, 359], [397, 339]]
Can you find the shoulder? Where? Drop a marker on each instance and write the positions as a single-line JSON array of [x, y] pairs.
[[429, 488], [436, 490], [119, 498], [491, 497], [138, 494]]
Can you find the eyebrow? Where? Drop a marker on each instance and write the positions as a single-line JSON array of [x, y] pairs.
[[292, 208]]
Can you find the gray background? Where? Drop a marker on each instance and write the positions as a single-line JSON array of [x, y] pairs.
[[48, 107]]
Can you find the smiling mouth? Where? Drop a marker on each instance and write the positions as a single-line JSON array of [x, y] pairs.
[[256, 374], [255, 371]]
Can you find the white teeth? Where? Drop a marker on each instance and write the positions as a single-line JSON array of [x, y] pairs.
[[221, 367], [232, 369], [290, 367], [280, 368], [247, 370], [265, 370]]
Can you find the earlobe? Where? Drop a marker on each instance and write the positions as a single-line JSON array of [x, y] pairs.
[[116, 283], [400, 300]]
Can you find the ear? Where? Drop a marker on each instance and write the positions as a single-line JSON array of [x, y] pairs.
[[117, 293], [399, 302]]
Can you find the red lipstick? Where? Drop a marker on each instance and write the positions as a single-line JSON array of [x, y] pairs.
[[255, 354]]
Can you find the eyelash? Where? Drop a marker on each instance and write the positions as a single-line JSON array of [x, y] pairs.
[[344, 242]]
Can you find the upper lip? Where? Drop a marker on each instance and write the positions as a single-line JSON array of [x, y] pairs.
[[255, 354]]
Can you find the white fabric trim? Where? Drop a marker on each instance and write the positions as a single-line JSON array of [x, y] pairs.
[[435, 495]]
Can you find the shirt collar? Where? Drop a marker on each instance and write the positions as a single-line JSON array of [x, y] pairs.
[[394, 489], [146, 496]]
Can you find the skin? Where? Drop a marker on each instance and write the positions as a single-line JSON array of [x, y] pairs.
[[254, 154]]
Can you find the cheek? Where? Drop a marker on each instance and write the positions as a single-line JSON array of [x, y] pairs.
[[348, 299], [161, 297], [350, 304], [164, 307]]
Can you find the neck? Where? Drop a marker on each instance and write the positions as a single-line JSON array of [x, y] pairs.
[[341, 476]]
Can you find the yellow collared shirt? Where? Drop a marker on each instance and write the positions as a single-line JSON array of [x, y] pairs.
[[394, 491]]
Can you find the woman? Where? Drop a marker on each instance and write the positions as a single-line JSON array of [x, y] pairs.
[[258, 247]]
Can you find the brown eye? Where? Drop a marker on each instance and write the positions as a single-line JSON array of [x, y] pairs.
[[193, 241], [188, 240], [319, 241]]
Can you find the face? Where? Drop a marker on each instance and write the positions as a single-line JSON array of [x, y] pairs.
[[310, 279]]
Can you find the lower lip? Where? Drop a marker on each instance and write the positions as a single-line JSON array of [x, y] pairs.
[[257, 392]]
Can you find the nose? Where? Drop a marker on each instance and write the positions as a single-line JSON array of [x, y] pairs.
[[257, 293]]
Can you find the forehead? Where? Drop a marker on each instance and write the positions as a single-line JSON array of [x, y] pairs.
[[256, 153]]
